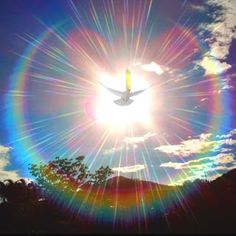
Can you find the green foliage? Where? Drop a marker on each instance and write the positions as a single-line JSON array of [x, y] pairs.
[[67, 174]]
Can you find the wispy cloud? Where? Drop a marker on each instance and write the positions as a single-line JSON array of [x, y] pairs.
[[210, 166], [224, 136], [199, 8], [113, 150], [203, 144], [213, 161], [191, 146], [197, 175], [206, 167], [139, 139], [130, 142], [129, 169]]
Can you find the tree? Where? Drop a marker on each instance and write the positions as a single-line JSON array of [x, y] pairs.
[[2, 191], [100, 175], [66, 174], [18, 191]]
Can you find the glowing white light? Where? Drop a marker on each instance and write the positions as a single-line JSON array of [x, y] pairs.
[[114, 116], [153, 67]]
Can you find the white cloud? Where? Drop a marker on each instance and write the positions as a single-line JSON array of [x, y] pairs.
[[174, 165], [3, 156], [224, 168], [205, 166], [212, 162], [13, 175], [204, 99], [130, 142], [213, 177], [139, 139], [230, 141], [4, 150], [202, 168], [204, 143], [199, 175], [113, 150], [129, 169], [224, 136], [191, 146], [227, 139], [213, 66], [197, 7], [232, 132], [224, 158], [4, 162], [196, 164], [153, 67], [224, 29], [222, 34], [137, 63], [205, 136], [226, 150]]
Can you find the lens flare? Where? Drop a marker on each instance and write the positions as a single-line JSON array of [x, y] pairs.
[[116, 117], [61, 109]]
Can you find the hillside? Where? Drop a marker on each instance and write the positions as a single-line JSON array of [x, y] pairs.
[[138, 206]]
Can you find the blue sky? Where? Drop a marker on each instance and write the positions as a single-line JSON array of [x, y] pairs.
[[55, 53]]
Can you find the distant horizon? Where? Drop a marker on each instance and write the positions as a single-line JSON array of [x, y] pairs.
[[28, 180]]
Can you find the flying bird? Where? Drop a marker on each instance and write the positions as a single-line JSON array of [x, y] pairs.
[[125, 96]]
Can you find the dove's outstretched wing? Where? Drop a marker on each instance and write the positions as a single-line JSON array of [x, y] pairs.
[[115, 92], [140, 91], [136, 92]]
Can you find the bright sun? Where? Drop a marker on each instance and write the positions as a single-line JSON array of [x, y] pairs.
[[114, 116]]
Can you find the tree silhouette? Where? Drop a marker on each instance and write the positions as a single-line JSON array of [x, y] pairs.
[[2, 191], [66, 174], [199, 206], [18, 191], [100, 175]]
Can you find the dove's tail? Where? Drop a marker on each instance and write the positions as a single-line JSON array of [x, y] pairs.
[[121, 102]]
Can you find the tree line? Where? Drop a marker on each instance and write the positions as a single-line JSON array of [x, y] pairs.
[[32, 206]]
